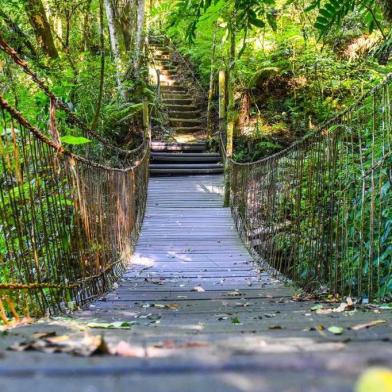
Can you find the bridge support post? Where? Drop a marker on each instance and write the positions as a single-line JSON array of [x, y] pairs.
[[146, 121], [229, 154], [228, 128], [222, 100]]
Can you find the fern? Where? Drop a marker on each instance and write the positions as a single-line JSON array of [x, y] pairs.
[[333, 12]]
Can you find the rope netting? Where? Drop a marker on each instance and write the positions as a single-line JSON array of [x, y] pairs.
[[320, 211], [68, 223]]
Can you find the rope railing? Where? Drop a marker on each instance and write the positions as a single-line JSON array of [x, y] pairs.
[[320, 211], [67, 224], [103, 150]]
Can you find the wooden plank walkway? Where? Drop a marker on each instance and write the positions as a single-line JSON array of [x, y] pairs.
[[205, 317]]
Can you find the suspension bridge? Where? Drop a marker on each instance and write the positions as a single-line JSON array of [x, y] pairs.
[[164, 288]]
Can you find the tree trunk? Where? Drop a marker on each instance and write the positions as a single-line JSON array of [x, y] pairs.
[[115, 46], [102, 74], [126, 22], [39, 21], [211, 87], [139, 31], [245, 109], [87, 26]]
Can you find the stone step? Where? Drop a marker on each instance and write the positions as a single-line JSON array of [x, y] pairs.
[[162, 56], [179, 108], [170, 83], [185, 157], [178, 95], [189, 114], [188, 130], [183, 101], [178, 147], [168, 63], [169, 72], [185, 122], [174, 89]]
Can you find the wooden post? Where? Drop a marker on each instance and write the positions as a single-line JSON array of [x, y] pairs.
[[211, 87], [158, 71], [146, 121], [222, 100], [229, 155], [229, 129]]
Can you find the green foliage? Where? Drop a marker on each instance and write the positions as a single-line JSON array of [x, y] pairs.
[[74, 140], [333, 12]]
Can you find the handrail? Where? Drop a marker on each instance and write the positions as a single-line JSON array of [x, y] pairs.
[[59, 103], [317, 210], [68, 223]]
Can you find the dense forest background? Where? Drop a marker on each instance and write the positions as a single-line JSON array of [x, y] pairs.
[[290, 66], [293, 64]]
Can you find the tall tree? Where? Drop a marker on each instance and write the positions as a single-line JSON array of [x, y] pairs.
[[139, 31], [102, 73], [115, 45], [39, 21]]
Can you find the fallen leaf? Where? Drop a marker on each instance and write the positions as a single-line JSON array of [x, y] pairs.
[[198, 289], [172, 306], [114, 325], [222, 317], [234, 293], [336, 330], [368, 325], [42, 335], [124, 349], [316, 307], [170, 344], [154, 281], [89, 346], [243, 304], [235, 320], [275, 327]]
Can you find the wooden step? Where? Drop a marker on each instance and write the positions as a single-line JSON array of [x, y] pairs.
[[185, 157], [178, 147], [185, 169]]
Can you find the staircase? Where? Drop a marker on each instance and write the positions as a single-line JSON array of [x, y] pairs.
[[187, 153]]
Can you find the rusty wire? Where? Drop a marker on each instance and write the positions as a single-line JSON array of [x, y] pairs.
[[320, 211], [68, 219], [68, 224]]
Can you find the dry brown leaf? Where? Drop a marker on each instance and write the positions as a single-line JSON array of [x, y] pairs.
[[170, 344], [88, 346], [42, 335], [234, 293], [124, 349], [368, 325]]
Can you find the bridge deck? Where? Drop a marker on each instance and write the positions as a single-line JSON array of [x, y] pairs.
[[205, 318]]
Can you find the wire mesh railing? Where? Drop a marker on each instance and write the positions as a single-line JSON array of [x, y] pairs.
[[68, 224], [320, 211]]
